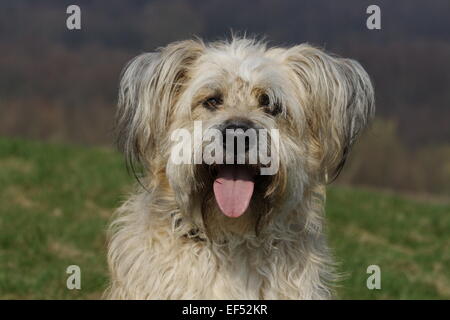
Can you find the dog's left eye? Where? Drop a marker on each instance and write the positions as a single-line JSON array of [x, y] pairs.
[[212, 103], [272, 108], [264, 100]]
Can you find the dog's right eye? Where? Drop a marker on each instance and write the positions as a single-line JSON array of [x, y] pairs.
[[212, 103]]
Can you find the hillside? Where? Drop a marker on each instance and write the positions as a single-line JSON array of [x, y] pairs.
[[56, 201]]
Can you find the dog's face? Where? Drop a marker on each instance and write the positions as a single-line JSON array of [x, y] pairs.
[[305, 107]]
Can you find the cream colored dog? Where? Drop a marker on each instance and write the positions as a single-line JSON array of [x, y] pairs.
[[225, 231]]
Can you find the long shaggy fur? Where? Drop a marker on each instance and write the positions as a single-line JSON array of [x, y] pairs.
[[169, 240]]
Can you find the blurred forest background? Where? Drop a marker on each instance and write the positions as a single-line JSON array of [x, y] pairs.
[[61, 85]]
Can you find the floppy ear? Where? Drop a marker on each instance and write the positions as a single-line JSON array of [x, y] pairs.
[[149, 88], [338, 98]]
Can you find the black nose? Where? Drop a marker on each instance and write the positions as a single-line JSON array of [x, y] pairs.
[[236, 128], [237, 124]]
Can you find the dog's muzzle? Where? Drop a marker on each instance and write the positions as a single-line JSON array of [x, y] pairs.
[[235, 130], [234, 183]]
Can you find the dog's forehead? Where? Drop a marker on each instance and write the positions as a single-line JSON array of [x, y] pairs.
[[250, 66]]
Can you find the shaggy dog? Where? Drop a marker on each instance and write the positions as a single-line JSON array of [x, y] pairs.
[[209, 231]]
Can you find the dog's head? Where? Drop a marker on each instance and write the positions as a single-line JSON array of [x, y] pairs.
[[301, 106]]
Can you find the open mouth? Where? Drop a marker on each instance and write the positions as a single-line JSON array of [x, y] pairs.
[[233, 188]]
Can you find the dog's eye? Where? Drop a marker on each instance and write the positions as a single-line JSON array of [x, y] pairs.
[[272, 108], [212, 102], [264, 100]]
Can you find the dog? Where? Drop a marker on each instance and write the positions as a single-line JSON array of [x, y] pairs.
[[225, 231]]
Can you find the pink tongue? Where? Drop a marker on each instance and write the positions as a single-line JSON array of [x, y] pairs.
[[233, 189]]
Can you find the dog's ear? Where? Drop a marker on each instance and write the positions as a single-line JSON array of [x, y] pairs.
[[338, 98], [149, 87]]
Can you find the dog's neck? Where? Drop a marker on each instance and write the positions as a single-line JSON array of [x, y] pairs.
[[194, 233]]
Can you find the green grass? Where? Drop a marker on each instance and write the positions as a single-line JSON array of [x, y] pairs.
[[56, 201], [409, 240], [55, 205]]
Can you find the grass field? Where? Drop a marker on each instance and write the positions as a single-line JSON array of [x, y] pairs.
[[56, 201]]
